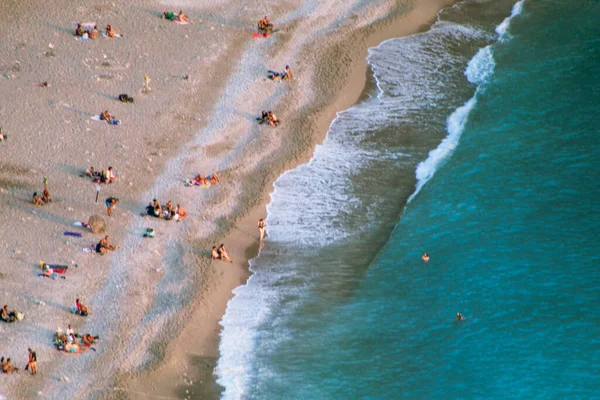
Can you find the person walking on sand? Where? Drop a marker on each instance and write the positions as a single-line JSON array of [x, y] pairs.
[[261, 229], [111, 202], [223, 254], [32, 363]]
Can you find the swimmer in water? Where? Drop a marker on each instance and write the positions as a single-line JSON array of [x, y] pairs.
[[460, 317], [425, 257]]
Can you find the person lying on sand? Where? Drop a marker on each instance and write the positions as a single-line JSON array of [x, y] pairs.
[[264, 25], [81, 309], [223, 254], [286, 75], [104, 246], [8, 316], [214, 179], [110, 32], [37, 200], [46, 193], [111, 202], [8, 368]]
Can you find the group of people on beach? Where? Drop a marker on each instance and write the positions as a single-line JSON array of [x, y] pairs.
[[168, 211], [268, 117], [7, 366], [93, 32], [104, 176]]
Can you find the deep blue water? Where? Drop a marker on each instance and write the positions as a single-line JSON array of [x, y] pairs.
[[501, 140]]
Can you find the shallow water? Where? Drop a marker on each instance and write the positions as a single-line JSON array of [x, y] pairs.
[[488, 127]]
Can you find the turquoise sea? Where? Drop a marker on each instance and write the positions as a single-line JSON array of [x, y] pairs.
[[480, 147]]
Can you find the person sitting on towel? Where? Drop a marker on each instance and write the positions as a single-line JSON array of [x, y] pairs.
[[37, 200], [272, 118], [105, 116], [110, 32], [214, 179], [104, 246], [265, 25], [179, 213], [8, 316], [169, 210], [157, 209], [110, 175], [81, 309], [215, 253], [79, 31], [7, 368], [93, 33], [201, 180], [181, 17], [287, 74]]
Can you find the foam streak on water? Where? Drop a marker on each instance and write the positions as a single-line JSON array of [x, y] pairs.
[[479, 70]]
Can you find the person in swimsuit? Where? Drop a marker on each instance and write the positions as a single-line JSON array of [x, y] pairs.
[[272, 118], [32, 363], [460, 317], [79, 31], [288, 75], [223, 254], [179, 213], [264, 25], [46, 193], [105, 116], [37, 200], [81, 308], [8, 316], [110, 175], [425, 257], [110, 32], [215, 253], [8, 367], [94, 32], [158, 212], [181, 17], [111, 202], [261, 229]]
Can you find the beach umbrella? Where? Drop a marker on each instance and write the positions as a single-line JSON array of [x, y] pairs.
[[97, 223]]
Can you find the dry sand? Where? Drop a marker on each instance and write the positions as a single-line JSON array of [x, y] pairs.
[[156, 302]]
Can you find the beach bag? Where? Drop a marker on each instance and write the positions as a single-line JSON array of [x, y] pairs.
[[20, 316]]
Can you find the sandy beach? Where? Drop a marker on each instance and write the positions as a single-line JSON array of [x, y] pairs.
[[156, 302]]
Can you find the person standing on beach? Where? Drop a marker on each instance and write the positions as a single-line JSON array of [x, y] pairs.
[[32, 364], [261, 229], [111, 202], [46, 193]]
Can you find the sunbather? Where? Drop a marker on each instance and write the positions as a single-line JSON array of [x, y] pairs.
[[82, 309], [264, 25], [272, 119], [79, 31], [286, 75], [214, 179], [157, 209], [215, 253], [8, 316], [223, 254], [110, 175], [104, 246], [7, 368], [37, 200], [110, 32], [93, 33], [111, 202], [179, 213], [181, 17], [105, 116], [264, 117]]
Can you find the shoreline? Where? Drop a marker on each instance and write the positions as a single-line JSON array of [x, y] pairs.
[[173, 292], [197, 379]]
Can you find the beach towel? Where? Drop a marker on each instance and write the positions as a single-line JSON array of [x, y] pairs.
[[117, 35], [83, 224], [112, 122], [182, 22], [261, 35], [76, 234], [56, 268]]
